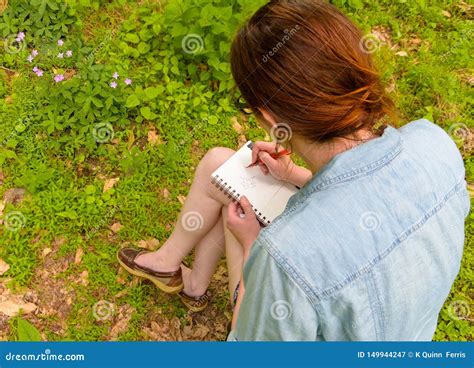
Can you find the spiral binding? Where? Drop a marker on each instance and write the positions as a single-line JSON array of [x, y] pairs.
[[226, 188]]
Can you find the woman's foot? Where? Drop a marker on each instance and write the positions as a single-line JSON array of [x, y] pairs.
[[194, 297], [167, 281]]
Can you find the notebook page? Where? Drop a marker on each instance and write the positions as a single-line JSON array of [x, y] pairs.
[[267, 195]]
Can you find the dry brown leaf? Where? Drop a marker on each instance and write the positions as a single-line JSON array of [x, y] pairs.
[[154, 138], [14, 195], [181, 199], [109, 184], [242, 140], [123, 318], [2, 177], [235, 125], [2, 207], [78, 256], [150, 244], [12, 304], [85, 277], [200, 331], [175, 329], [4, 267], [401, 53], [46, 251], [116, 227], [166, 193], [446, 13]]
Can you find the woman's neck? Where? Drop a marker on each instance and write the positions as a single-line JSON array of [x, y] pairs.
[[317, 155]]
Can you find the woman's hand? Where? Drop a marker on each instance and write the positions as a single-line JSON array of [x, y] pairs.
[[242, 223], [281, 168]]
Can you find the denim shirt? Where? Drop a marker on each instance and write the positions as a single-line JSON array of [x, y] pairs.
[[368, 249]]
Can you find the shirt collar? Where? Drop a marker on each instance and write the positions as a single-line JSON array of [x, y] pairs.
[[355, 162]]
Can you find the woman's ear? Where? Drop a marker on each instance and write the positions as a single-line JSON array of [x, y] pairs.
[[268, 119]]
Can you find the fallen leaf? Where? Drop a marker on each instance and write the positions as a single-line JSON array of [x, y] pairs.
[[154, 138], [235, 125], [85, 277], [175, 329], [116, 227], [166, 193], [446, 13], [79, 254], [46, 251], [13, 304], [150, 244], [124, 315], [181, 199], [109, 184], [4, 267], [200, 331], [2, 207], [401, 53], [2, 177], [242, 140], [14, 195]]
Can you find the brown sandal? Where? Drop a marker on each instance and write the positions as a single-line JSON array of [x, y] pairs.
[[195, 304], [169, 282]]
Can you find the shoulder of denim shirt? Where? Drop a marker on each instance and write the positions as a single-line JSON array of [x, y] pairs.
[[359, 208]]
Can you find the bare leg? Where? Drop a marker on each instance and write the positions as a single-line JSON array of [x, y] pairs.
[[199, 215], [206, 257], [234, 255]]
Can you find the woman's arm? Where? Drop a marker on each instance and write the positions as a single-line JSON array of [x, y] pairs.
[[299, 176]]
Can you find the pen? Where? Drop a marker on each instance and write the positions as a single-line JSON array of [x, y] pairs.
[[275, 156]]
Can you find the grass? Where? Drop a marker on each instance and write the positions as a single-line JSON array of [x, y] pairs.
[[64, 252]]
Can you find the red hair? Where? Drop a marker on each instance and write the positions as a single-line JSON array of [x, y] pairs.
[[303, 61]]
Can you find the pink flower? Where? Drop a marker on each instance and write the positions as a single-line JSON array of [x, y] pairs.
[[20, 36], [128, 81], [39, 73], [34, 53], [60, 42], [58, 78], [35, 69], [115, 75], [69, 53], [61, 55], [30, 58], [113, 84]]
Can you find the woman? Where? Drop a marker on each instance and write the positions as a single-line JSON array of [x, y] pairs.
[[369, 247]]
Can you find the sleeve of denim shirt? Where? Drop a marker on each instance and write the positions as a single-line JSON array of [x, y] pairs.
[[274, 308]]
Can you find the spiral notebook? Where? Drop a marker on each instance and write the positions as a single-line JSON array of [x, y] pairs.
[[267, 195]]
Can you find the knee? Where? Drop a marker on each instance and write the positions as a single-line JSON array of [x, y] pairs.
[[215, 157]]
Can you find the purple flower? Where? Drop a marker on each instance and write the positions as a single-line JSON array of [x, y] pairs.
[[115, 75], [58, 78], [128, 81], [35, 69], [30, 58], [61, 55], [39, 73], [20, 36], [34, 53], [113, 84], [69, 53], [60, 42]]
